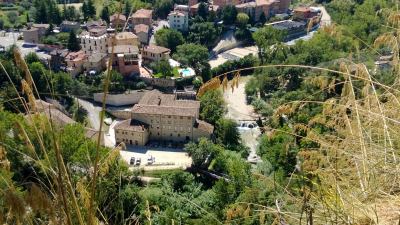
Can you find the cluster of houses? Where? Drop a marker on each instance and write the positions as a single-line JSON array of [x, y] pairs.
[[99, 41]]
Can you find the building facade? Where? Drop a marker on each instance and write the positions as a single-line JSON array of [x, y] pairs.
[[154, 53], [165, 118], [142, 16], [75, 62], [126, 59], [117, 20], [179, 18], [142, 32], [124, 38], [96, 40]]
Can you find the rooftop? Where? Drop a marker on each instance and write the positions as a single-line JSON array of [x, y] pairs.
[[96, 57], [44, 25], [204, 126], [76, 56], [176, 13], [95, 23], [115, 16], [156, 49], [125, 35], [288, 24], [155, 102], [132, 125], [143, 13], [141, 28], [118, 49], [302, 9]]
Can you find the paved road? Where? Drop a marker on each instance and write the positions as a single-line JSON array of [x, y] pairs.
[[93, 113], [160, 25]]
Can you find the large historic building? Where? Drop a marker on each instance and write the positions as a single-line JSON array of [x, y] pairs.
[[162, 117]]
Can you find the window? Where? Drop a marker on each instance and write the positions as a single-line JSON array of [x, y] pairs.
[[158, 133], [179, 135], [170, 135]]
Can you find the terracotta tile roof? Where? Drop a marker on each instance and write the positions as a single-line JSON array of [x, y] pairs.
[[76, 56], [141, 28], [124, 49], [115, 16], [302, 9], [155, 102], [156, 49], [125, 35], [176, 13], [132, 125], [143, 13], [204, 126]]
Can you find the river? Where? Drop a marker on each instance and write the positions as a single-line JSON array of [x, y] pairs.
[[244, 115]]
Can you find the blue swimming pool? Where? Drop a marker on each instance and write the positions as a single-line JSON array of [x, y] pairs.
[[186, 72]]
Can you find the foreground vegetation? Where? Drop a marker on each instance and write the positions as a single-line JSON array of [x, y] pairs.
[[330, 149]]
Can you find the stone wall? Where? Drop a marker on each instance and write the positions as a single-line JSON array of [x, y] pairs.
[[128, 98]]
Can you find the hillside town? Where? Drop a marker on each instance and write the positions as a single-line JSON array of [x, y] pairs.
[[125, 43], [199, 112]]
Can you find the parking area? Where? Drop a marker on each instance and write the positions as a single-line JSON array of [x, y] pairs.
[[151, 158], [9, 38]]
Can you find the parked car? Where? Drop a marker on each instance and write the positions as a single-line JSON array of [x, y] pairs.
[[150, 160], [132, 161], [138, 161]]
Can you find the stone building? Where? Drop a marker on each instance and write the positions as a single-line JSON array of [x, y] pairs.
[[179, 18], [163, 117], [124, 38], [96, 40], [126, 59], [117, 20], [142, 32], [142, 16], [154, 53]]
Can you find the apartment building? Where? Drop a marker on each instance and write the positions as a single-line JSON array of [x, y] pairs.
[[179, 18], [117, 20], [96, 40], [75, 62], [126, 59], [142, 32], [124, 38], [34, 32], [142, 16], [154, 53], [162, 117]]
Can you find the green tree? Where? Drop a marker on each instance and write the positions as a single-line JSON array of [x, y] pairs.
[[193, 55], [12, 17], [163, 7], [128, 8], [262, 19], [212, 106], [41, 13], [91, 10], [201, 151], [162, 67], [31, 58], [105, 14], [169, 38], [1, 24], [241, 20], [280, 150], [229, 13], [205, 33], [227, 133], [73, 42], [116, 81], [265, 38], [202, 11]]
